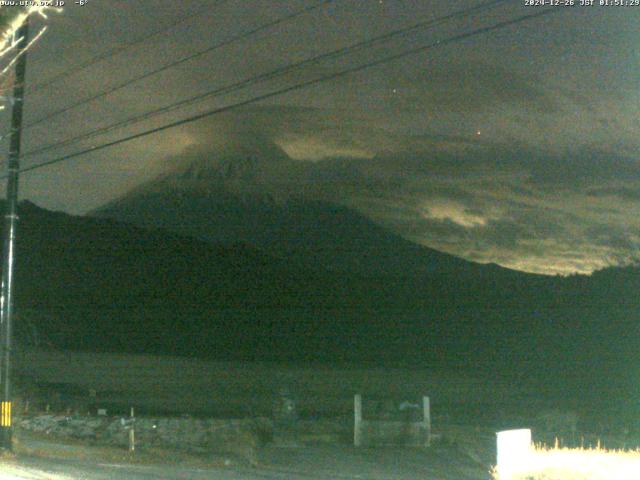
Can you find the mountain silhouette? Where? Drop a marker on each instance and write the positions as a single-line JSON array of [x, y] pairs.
[[255, 193]]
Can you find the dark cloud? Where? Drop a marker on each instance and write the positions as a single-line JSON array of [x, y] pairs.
[[615, 239], [624, 193], [472, 86], [585, 165]]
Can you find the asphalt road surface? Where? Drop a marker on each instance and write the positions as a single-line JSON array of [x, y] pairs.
[[53, 469], [39, 468], [320, 462]]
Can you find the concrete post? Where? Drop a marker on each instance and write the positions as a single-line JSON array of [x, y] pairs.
[[426, 409], [132, 433], [357, 420]]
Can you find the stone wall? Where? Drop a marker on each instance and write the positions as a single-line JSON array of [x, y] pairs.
[[239, 437]]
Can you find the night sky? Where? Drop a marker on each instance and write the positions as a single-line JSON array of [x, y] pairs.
[[519, 146]]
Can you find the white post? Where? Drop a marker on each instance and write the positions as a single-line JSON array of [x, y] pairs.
[[132, 434], [514, 452], [357, 420], [426, 412]]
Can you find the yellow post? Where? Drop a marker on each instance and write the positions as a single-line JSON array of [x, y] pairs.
[[6, 414]]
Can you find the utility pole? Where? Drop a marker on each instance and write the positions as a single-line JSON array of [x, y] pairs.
[[11, 219]]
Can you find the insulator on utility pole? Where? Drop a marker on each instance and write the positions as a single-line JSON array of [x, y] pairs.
[[10, 223]]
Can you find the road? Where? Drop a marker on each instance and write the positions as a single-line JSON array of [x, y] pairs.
[[58, 461], [35, 468], [40, 468]]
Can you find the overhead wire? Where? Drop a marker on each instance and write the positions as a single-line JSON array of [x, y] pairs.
[[114, 51], [281, 71], [180, 61], [298, 86]]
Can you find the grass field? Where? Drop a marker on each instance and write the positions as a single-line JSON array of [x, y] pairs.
[[156, 385]]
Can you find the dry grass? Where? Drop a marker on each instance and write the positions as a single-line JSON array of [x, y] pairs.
[[577, 464], [40, 445], [238, 389]]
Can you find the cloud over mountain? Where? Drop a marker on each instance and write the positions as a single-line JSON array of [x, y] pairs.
[[521, 207]]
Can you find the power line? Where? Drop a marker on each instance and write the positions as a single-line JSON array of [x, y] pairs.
[[267, 76], [114, 51], [291, 88], [180, 61]]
